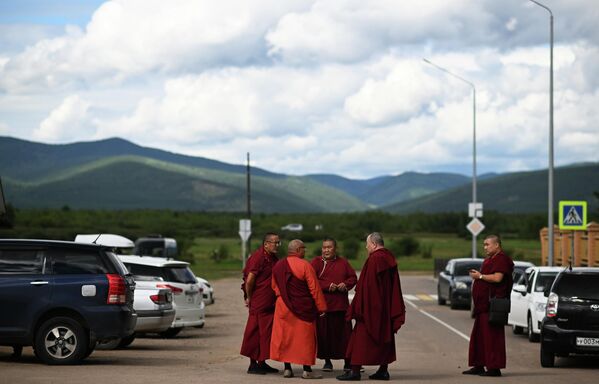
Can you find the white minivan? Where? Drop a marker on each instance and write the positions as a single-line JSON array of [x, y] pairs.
[[178, 277], [529, 299]]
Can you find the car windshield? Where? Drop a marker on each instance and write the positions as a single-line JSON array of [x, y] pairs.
[[579, 286], [462, 269], [544, 282]]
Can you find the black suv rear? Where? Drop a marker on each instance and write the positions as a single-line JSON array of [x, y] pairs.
[[62, 297], [571, 324]]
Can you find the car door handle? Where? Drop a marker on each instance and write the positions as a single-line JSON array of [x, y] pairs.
[[39, 283]]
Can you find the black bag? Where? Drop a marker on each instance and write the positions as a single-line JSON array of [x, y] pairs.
[[499, 308]]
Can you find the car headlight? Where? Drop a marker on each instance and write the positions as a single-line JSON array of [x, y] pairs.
[[460, 285]]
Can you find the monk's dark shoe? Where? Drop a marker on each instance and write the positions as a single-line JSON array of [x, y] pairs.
[[256, 370], [349, 376], [268, 369], [379, 376], [328, 367], [474, 371], [491, 372]]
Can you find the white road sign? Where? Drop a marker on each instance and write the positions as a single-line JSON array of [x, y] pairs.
[[245, 229], [475, 226], [475, 209]]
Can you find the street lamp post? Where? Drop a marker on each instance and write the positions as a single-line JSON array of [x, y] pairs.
[[473, 142], [550, 167]]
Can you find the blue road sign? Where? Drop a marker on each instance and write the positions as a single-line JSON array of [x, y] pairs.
[[573, 215]]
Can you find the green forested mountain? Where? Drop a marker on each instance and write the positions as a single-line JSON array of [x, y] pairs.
[[519, 192], [117, 174]]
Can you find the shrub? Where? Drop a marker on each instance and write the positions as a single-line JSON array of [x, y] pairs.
[[351, 247], [406, 246]]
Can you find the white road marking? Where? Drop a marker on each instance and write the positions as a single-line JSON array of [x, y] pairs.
[[438, 320]]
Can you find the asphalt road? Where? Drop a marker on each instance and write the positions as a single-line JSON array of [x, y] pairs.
[[432, 347]]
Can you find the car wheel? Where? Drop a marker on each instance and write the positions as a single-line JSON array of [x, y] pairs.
[[171, 332], [61, 341], [532, 337], [440, 300], [126, 341], [452, 303], [516, 330], [547, 358]]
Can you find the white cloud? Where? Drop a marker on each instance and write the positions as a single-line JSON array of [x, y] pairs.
[[314, 86], [70, 121]]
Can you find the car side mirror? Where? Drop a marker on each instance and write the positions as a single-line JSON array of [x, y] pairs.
[[520, 289]]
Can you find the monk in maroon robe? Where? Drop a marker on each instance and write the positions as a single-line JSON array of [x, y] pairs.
[[336, 277], [487, 342], [379, 311], [260, 300]]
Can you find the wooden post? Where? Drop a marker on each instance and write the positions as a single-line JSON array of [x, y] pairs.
[[593, 244], [566, 246], [544, 236]]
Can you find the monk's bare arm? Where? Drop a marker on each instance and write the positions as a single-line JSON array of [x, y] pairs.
[[250, 284], [496, 277]]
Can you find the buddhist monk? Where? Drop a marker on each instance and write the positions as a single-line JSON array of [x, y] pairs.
[[379, 311], [487, 342], [336, 277], [300, 302], [260, 300]]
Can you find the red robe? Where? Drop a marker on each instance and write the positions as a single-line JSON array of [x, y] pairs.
[[334, 330], [487, 342], [256, 338], [378, 309]]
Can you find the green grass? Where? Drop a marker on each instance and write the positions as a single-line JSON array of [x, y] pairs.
[[443, 246]]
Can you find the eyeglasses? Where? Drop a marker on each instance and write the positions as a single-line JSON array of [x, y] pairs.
[[277, 243]]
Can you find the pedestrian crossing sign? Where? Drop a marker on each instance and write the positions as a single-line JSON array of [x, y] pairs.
[[573, 215]]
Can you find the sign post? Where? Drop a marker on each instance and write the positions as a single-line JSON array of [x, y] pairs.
[[475, 210], [573, 217], [245, 231]]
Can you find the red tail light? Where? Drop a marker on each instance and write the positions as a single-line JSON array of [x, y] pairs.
[[551, 308], [161, 298], [117, 290], [176, 291]]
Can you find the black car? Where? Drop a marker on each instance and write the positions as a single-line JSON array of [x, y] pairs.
[[571, 323], [62, 298], [454, 282]]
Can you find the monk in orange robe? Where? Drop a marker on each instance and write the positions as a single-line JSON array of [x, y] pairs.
[[299, 303]]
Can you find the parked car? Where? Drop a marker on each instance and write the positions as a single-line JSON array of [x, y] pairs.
[[519, 268], [208, 290], [454, 283], [154, 308], [62, 297], [157, 246], [178, 277], [529, 298], [571, 323]]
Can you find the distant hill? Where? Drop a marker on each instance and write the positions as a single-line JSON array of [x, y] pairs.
[[514, 192], [387, 190]]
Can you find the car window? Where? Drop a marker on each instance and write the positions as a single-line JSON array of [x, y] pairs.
[[462, 269], [75, 262], [117, 263], [531, 277], [579, 286], [544, 282], [146, 270], [21, 262], [181, 275]]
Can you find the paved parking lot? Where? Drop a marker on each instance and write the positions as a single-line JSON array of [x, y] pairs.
[[432, 347]]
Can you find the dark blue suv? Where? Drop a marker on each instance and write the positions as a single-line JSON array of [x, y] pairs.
[[62, 298]]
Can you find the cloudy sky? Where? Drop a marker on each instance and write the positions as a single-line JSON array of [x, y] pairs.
[[321, 86]]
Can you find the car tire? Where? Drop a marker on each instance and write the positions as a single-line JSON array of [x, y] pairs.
[[126, 341], [61, 341], [171, 332], [547, 358], [440, 300], [517, 330], [532, 337], [452, 303]]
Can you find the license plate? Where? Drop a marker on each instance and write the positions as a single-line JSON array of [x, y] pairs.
[[587, 342]]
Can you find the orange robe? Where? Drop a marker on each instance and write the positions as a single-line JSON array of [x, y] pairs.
[[294, 340]]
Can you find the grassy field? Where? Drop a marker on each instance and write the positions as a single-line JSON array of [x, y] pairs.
[[202, 252]]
